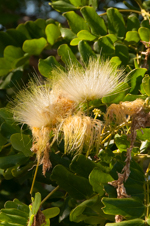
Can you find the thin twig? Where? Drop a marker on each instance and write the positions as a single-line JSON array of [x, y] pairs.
[[52, 192]]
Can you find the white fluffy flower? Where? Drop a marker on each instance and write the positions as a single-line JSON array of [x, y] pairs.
[[38, 106], [98, 79], [41, 109]]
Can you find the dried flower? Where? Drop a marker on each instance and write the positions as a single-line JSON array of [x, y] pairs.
[[96, 80], [80, 132], [123, 111]]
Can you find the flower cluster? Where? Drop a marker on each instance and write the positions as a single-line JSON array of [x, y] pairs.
[[56, 108]]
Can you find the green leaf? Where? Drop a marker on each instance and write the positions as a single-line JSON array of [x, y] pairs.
[[12, 79], [5, 66], [21, 61], [6, 115], [122, 142], [12, 53], [77, 187], [115, 98], [116, 24], [148, 220], [90, 212], [17, 35], [24, 31], [115, 60], [146, 85], [85, 51], [78, 3], [18, 205], [93, 3], [133, 76], [7, 129], [85, 35], [15, 219], [51, 212], [132, 37], [144, 34], [97, 178], [47, 65], [11, 160], [34, 46], [127, 207], [36, 202], [12, 211], [3, 140], [76, 22], [34, 207], [105, 44], [15, 213], [62, 6], [136, 175], [144, 134], [52, 33], [133, 23], [67, 55], [82, 165], [18, 171], [131, 97], [145, 23], [67, 34], [134, 222], [5, 40], [95, 22], [122, 52], [75, 41], [36, 29], [21, 142]]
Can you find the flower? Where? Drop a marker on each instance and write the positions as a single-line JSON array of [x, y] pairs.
[[80, 132], [38, 106], [122, 112], [98, 79], [41, 109]]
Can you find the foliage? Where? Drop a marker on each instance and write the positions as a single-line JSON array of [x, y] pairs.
[[78, 189]]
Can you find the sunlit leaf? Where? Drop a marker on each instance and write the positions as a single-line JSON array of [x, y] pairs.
[[79, 24], [116, 24], [95, 22], [34, 46], [52, 33]]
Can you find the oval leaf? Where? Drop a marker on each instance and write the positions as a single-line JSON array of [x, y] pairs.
[[146, 85], [76, 22], [52, 33], [95, 22], [22, 143], [34, 46]]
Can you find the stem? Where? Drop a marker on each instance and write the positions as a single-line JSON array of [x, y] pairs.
[[147, 198], [124, 10], [52, 192], [33, 182], [115, 131], [88, 113], [106, 138], [147, 186], [6, 145]]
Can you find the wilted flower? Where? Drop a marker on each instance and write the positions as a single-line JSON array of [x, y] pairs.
[[80, 132], [41, 109], [121, 112], [98, 79]]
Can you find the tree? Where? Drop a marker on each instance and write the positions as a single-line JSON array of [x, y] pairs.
[[83, 118]]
